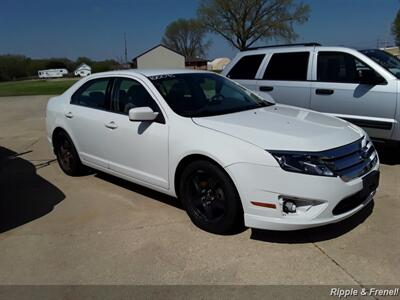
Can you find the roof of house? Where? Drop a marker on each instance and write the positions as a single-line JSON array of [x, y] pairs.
[[83, 65], [151, 49]]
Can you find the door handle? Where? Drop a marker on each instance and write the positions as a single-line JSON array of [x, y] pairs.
[[111, 125], [69, 115], [266, 88], [324, 92]]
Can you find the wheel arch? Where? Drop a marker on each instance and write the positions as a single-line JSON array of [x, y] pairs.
[[185, 161], [56, 132]]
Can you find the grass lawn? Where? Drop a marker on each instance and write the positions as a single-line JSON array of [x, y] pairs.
[[35, 87]]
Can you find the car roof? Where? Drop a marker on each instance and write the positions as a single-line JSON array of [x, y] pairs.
[[151, 72]]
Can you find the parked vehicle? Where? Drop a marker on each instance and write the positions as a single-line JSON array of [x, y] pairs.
[[228, 154], [52, 73], [338, 81]]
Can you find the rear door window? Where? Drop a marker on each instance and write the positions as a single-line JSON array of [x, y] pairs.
[[246, 67], [93, 94], [291, 66]]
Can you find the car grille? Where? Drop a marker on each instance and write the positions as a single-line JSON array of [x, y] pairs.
[[351, 161], [370, 184], [348, 204]]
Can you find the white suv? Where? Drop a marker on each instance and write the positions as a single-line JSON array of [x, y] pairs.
[[360, 87], [228, 154]]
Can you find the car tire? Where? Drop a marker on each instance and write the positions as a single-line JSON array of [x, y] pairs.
[[67, 156], [210, 198]]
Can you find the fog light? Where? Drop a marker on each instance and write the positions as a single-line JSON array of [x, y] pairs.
[[289, 207]]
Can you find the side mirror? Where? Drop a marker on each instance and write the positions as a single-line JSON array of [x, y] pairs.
[[370, 77], [142, 114]]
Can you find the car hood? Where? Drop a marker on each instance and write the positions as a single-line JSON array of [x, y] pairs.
[[282, 127]]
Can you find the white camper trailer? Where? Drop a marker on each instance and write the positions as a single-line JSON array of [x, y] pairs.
[[83, 70], [52, 73]]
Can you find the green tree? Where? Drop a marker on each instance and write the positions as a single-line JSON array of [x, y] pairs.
[[396, 29], [186, 37], [105, 65], [13, 67], [59, 63], [244, 22], [83, 60]]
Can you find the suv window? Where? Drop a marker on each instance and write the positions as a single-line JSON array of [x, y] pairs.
[[93, 94], [129, 93], [339, 67], [291, 66], [246, 67]]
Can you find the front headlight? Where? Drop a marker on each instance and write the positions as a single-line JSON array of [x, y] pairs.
[[302, 163]]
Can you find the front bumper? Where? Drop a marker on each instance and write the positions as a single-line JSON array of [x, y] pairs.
[[317, 195]]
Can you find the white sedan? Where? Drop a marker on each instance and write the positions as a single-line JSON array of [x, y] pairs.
[[232, 157]]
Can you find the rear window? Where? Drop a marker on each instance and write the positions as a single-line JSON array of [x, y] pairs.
[[246, 67], [288, 66]]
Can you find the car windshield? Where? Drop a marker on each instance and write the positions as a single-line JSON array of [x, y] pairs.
[[205, 94], [386, 60]]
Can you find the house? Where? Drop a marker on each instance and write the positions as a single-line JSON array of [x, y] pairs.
[[218, 64], [52, 73], [196, 63], [159, 57], [83, 70]]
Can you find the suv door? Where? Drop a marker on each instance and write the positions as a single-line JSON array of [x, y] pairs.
[[337, 90], [138, 150], [286, 78], [86, 115]]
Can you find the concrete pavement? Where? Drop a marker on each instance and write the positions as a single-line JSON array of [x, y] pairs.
[[98, 229]]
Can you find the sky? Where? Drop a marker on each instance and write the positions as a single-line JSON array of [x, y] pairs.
[[73, 28]]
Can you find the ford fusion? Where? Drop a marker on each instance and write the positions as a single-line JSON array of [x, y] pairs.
[[232, 157]]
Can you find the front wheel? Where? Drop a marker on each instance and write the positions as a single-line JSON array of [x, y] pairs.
[[210, 198]]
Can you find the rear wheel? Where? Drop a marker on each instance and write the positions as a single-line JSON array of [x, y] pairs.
[[67, 156], [210, 198]]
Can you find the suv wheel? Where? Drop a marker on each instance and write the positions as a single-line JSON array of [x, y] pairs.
[[210, 198], [67, 156]]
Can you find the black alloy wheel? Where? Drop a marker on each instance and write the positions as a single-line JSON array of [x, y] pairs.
[[210, 198]]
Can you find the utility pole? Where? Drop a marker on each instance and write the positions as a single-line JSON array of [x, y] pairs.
[[126, 49]]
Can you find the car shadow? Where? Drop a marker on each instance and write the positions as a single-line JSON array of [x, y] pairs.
[[317, 234], [140, 189], [388, 154], [163, 198], [24, 195], [326, 232]]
